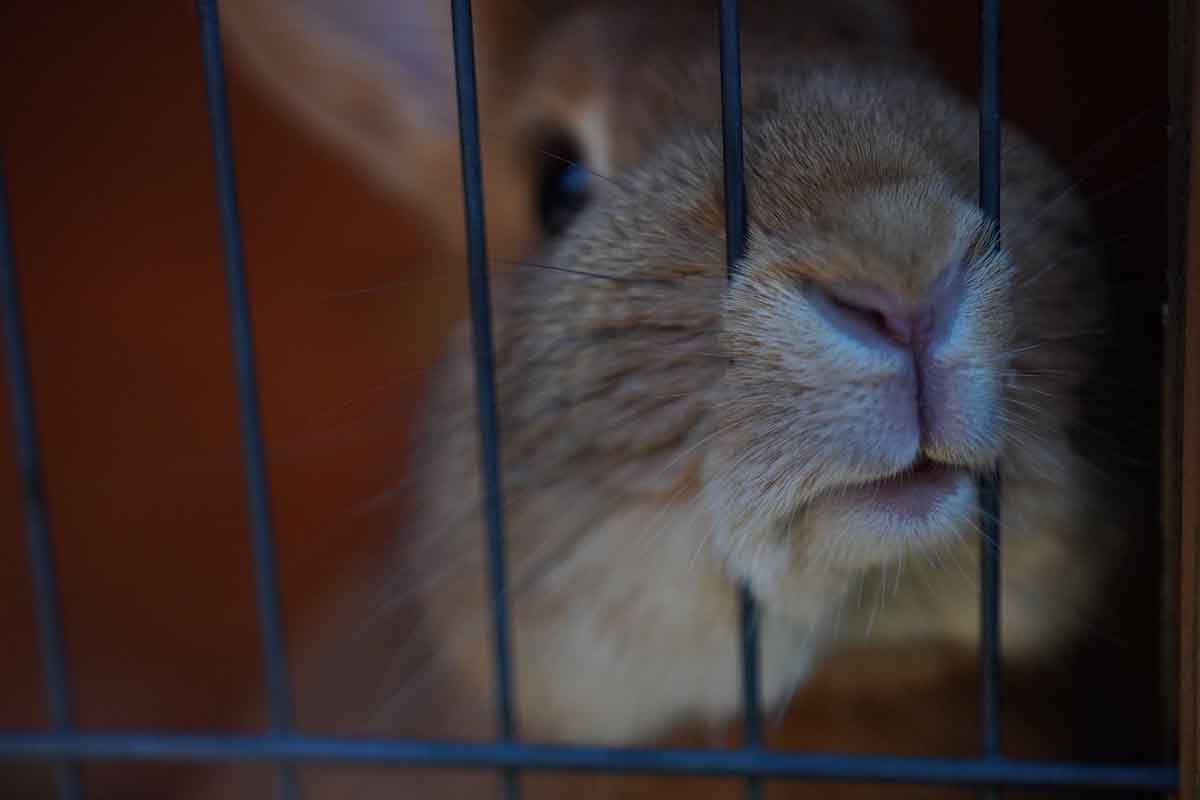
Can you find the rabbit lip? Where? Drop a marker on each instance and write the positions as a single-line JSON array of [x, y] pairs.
[[913, 493]]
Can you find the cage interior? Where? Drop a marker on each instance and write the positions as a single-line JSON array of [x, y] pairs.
[[115, 224]]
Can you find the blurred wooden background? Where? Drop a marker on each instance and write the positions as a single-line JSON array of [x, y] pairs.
[[105, 141]]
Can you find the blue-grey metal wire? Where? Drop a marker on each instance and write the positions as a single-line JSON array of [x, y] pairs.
[[731, 129], [485, 380], [253, 451], [528, 756], [989, 489], [64, 746], [47, 610], [735, 248]]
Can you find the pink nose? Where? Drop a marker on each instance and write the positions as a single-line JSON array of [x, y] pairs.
[[875, 316], [931, 393]]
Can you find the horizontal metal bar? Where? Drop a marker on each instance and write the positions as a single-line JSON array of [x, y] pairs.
[[112, 746]]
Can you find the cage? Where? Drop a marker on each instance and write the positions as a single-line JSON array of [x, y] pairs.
[[67, 744]]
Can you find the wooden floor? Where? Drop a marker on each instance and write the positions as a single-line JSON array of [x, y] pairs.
[[104, 134]]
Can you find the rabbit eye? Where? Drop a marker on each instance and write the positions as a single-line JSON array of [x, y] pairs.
[[562, 185]]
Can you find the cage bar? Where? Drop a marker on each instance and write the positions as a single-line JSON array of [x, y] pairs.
[[65, 747], [665, 761], [735, 249], [485, 379], [266, 582], [47, 609], [731, 129], [989, 487]]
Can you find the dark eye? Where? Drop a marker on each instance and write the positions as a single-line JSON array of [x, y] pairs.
[[562, 184]]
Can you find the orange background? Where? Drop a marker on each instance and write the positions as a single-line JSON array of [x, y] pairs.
[[105, 139]]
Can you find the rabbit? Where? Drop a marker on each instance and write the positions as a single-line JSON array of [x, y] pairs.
[[812, 426]]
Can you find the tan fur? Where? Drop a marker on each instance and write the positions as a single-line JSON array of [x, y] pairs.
[[663, 433]]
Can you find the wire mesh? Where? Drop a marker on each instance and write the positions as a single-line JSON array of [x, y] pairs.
[[66, 747]]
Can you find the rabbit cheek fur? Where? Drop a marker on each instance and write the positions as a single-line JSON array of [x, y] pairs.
[[664, 431]]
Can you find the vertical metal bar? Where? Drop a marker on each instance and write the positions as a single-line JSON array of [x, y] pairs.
[[37, 526], [735, 248], [485, 380], [989, 489], [731, 123], [257, 487]]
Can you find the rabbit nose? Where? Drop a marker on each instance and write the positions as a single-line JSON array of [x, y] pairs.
[[877, 317], [911, 350]]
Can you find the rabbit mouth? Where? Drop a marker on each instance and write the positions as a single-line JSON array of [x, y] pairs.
[[913, 493], [913, 498]]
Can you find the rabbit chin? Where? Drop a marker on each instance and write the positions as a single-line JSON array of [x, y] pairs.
[[867, 524]]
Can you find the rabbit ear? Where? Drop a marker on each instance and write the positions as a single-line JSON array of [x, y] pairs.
[[375, 78]]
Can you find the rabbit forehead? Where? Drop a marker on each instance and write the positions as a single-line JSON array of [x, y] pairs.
[[829, 189], [651, 69]]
